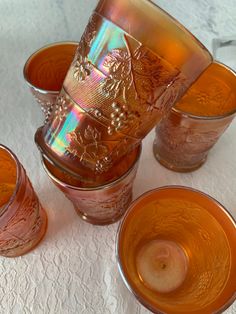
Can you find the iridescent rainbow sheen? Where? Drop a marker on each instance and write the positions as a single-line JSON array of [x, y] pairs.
[[116, 90], [60, 142]]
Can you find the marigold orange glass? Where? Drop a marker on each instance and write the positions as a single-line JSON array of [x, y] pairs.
[[197, 121], [102, 202], [45, 71], [132, 63], [23, 221], [176, 252]]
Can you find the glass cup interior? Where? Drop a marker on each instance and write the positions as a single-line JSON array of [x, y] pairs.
[[47, 67], [176, 252], [212, 95]]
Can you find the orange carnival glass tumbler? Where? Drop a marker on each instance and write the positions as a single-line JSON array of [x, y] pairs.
[[176, 252], [194, 125], [103, 202], [132, 64], [45, 71], [23, 221]]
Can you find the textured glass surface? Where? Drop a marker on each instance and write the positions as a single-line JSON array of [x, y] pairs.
[[184, 139], [119, 86], [23, 221], [105, 201]]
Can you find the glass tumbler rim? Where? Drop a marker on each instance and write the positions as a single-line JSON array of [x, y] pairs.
[[108, 185], [209, 118], [25, 72]]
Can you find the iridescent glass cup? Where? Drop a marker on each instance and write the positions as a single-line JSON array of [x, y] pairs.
[[184, 139], [23, 221], [176, 252], [102, 202], [132, 63], [45, 71]]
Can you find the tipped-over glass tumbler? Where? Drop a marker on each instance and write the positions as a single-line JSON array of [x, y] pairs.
[[133, 62]]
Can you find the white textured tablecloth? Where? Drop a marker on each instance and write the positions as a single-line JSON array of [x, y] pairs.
[[74, 268]]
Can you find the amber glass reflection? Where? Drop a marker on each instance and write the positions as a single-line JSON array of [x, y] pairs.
[[105, 201], [197, 121], [45, 71], [23, 221], [123, 80], [176, 252]]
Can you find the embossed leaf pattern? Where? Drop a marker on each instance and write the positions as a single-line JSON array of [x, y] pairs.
[[118, 82], [96, 150], [118, 63], [92, 134], [147, 64], [112, 87], [90, 146], [134, 76], [24, 225], [111, 206], [82, 66], [61, 107], [138, 75], [185, 145], [76, 137]]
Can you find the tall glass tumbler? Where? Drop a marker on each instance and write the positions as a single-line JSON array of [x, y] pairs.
[[132, 64], [23, 221], [195, 124]]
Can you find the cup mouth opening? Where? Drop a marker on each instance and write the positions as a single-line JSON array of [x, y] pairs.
[[108, 185], [4, 208], [125, 277], [30, 58], [210, 118]]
